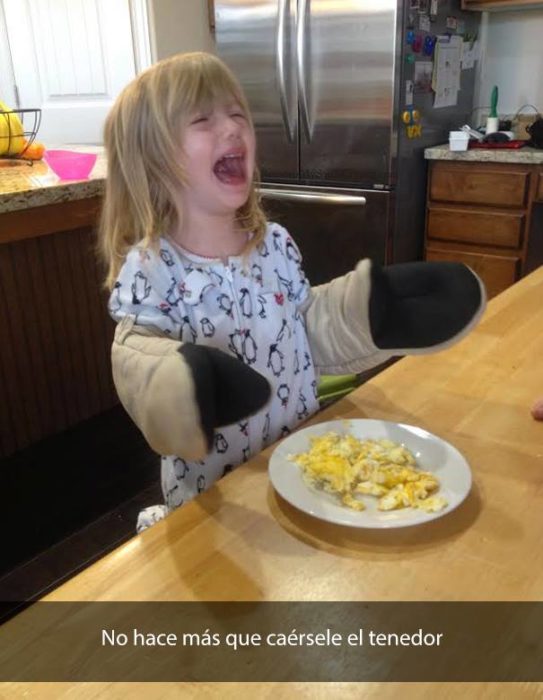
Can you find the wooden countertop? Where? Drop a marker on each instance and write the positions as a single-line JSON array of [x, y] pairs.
[[25, 185], [240, 541], [525, 155]]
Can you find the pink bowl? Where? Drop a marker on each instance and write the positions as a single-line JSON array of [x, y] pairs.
[[70, 165]]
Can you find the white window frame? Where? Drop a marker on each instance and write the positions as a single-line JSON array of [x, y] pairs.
[[144, 49]]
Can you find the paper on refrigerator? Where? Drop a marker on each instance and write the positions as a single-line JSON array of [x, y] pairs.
[[470, 54], [447, 67]]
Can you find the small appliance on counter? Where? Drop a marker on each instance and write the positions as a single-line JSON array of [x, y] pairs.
[[536, 133]]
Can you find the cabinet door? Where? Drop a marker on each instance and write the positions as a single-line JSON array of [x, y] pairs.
[[332, 236], [70, 59], [497, 272]]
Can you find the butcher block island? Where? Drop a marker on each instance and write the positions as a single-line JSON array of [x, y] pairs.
[[56, 333], [485, 208], [240, 541]]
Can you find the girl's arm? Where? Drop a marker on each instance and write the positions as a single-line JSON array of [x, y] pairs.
[[373, 313]]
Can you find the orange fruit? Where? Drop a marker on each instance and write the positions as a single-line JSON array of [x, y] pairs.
[[35, 151]]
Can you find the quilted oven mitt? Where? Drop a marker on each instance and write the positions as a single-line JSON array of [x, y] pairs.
[[373, 313], [177, 393]]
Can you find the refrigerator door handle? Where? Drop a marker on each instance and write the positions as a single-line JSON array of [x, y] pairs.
[[323, 198], [283, 10], [300, 62]]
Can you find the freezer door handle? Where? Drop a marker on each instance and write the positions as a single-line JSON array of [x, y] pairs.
[[322, 198], [283, 12], [300, 62]]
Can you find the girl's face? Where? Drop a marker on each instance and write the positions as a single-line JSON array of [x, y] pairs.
[[218, 153]]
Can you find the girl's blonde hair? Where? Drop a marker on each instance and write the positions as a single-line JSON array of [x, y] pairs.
[[142, 137]]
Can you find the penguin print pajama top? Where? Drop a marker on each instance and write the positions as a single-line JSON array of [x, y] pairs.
[[248, 308]]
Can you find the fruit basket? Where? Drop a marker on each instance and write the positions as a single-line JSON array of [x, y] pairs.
[[18, 129]]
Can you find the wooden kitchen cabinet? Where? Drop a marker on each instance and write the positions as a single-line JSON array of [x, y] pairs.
[[480, 214], [539, 193], [56, 332]]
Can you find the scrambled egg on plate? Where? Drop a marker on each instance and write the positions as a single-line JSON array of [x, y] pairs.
[[348, 467]]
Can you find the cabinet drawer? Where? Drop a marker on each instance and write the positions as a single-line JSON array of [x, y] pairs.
[[497, 272], [471, 226], [473, 186]]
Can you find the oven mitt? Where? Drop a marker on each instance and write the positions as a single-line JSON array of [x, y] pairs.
[[373, 313], [178, 393]]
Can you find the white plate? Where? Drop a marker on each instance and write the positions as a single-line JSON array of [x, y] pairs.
[[432, 454]]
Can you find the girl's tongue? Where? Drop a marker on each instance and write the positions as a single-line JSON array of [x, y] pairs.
[[230, 170]]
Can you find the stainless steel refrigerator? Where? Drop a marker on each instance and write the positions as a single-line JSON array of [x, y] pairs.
[[326, 82]]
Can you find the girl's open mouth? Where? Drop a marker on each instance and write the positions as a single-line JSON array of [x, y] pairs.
[[230, 169]]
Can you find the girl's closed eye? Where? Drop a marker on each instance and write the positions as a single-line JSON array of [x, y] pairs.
[[199, 119], [234, 110]]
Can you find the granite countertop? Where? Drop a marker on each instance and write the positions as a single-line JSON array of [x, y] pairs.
[[24, 185], [526, 155]]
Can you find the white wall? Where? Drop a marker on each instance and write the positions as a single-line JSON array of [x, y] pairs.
[[512, 60], [179, 25]]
